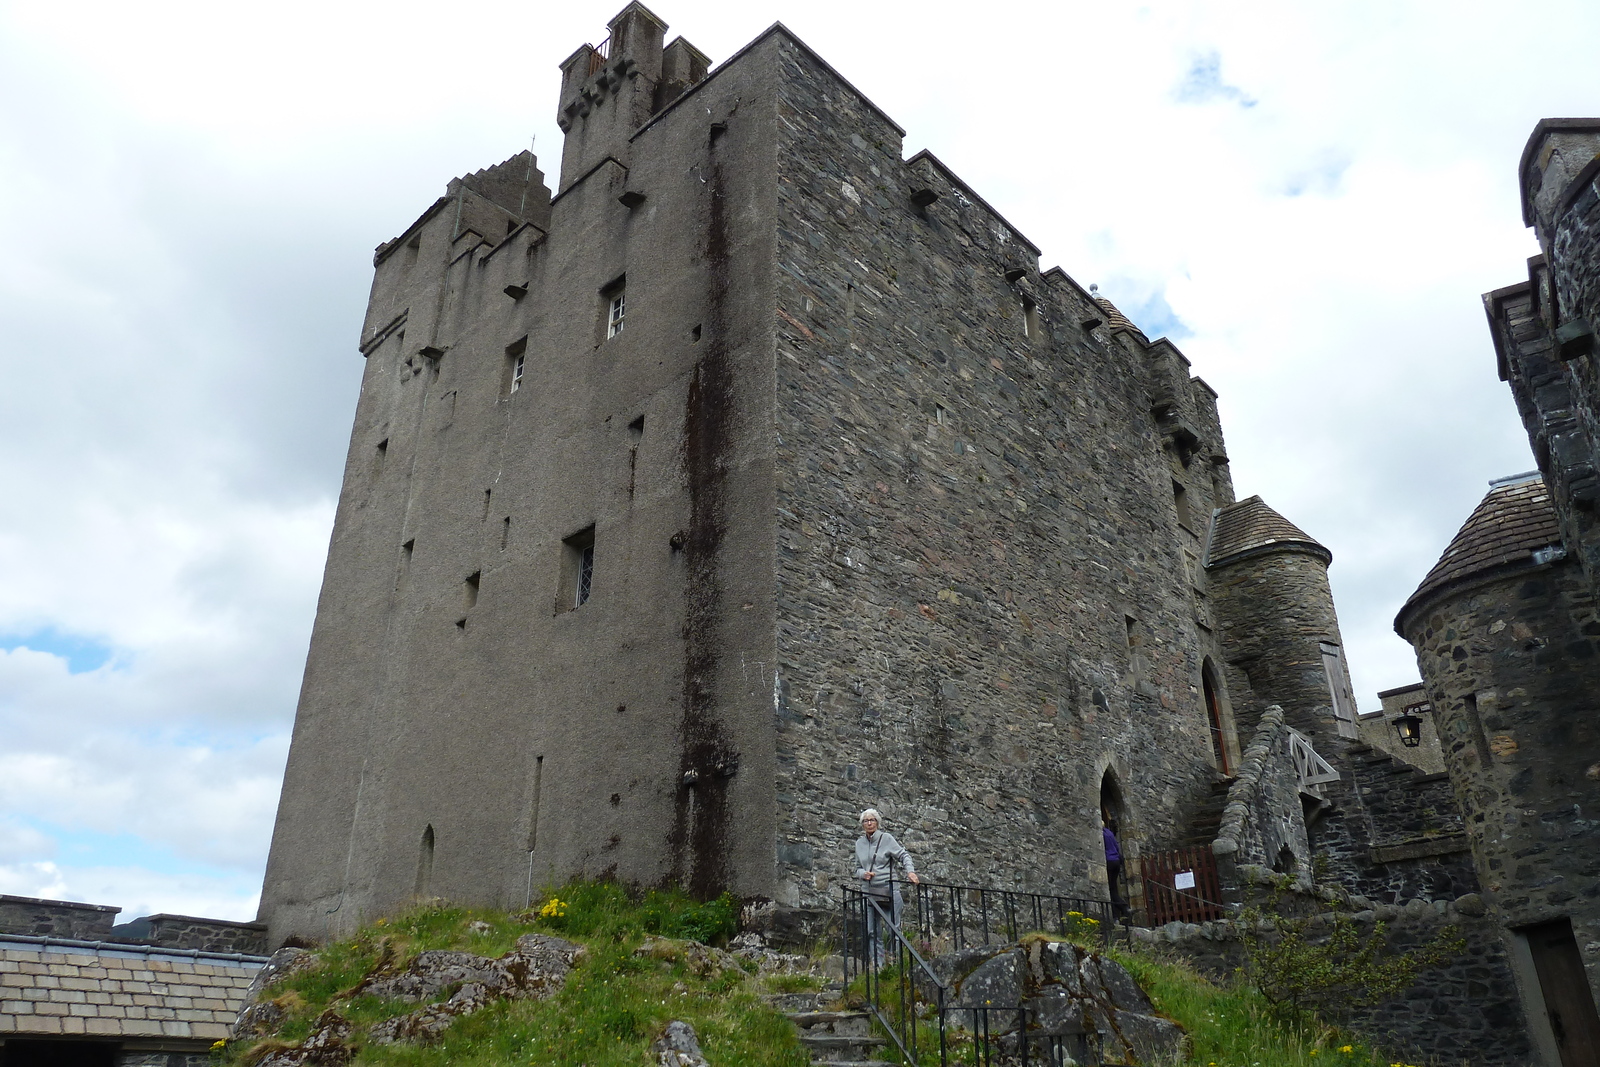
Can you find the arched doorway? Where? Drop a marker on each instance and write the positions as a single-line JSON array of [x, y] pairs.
[[1112, 811], [1215, 717]]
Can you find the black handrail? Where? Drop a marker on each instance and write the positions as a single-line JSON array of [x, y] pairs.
[[910, 969], [896, 1008], [942, 909]]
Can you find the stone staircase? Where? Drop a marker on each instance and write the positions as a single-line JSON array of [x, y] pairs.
[[1206, 819], [836, 1038]]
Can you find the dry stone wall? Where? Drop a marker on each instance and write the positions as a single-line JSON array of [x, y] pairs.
[[985, 598], [1464, 1011]]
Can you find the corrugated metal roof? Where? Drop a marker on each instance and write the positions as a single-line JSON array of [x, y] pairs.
[[1513, 521], [1250, 525]]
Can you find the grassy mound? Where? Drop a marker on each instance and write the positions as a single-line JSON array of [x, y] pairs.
[[615, 1002], [612, 1006]]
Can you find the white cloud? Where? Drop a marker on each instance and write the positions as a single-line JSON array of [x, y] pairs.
[[1318, 193]]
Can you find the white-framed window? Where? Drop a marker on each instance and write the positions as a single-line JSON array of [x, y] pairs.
[[516, 371], [614, 313], [577, 571]]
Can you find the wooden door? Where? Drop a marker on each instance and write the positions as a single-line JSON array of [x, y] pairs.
[[1567, 999]]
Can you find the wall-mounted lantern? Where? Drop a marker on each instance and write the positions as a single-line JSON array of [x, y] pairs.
[[1408, 724]]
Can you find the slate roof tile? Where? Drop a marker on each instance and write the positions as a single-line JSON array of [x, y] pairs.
[[1512, 522], [1251, 524]]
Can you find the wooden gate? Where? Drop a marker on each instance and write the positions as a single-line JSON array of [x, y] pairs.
[[1180, 886]]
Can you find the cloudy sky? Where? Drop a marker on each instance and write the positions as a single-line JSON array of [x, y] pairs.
[[1308, 197]]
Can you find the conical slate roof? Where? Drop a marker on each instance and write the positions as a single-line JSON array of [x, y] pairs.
[[1116, 320], [1514, 521], [1249, 526]]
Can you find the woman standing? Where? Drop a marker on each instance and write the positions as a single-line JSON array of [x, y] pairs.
[[877, 854]]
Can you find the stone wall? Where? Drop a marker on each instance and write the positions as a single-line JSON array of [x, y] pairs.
[[1264, 823], [1465, 1011], [1392, 832], [1512, 670], [986, 597], [187, 931], [1544, 329], [56, 918]]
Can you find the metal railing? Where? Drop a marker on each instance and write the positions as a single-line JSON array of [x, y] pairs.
[[993, 1043], [893, 989], [956, 916], [915, 1008], [598, 57]]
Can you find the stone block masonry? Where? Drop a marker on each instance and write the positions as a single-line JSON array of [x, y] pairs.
[[1465, 1011], [56, 918], [986, 597]]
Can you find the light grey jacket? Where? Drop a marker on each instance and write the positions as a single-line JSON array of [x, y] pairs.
[[879, 854]]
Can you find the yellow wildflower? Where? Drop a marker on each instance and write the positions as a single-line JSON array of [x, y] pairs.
[[1347, 1048]]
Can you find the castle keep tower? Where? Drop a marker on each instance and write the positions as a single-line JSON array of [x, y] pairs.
[[756, 475]]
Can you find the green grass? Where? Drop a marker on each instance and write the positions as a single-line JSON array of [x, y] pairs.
[[615, 1003], [612, 1006], [1233, 1026]]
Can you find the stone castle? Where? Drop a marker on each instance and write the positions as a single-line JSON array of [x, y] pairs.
[[756, 475]]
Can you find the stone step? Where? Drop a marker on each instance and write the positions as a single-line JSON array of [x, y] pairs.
[[832, 1048], [832, 1023], [818, 1000]]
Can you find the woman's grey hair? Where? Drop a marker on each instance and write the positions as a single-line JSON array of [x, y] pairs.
[[871, 813]]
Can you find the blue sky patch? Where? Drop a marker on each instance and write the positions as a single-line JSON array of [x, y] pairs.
[[82, 653], [1202, 83]]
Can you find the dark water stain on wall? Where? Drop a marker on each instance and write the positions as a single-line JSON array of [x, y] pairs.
[[707, 762]]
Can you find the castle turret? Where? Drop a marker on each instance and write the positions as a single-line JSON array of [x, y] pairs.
[[1505, 634], [608, 92], [1279, 631]]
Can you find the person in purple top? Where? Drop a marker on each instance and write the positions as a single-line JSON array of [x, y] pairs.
[[1108, 831]]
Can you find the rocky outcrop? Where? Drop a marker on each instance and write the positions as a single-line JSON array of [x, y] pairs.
[[260, 1016], [1067, 991], [678, 1047], [536, 968]]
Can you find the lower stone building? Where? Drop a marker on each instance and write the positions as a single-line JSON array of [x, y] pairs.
[[157, 992]]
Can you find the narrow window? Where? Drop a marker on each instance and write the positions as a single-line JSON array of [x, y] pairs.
[[941, 415], [516, 364], [1135, 636], [1480, 740], [1180, 500], [425, 864], [403, 573], [487, 495], [577, 570], [505, 532], [473, 582], [1031, 327], [613, 306], [533, 812], [585, 572], [635, 435]]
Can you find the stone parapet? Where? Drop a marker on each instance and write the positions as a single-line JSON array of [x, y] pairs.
[[56, 918]]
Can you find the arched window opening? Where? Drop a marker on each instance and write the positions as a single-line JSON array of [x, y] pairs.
[[425, 864], [1219, 735]]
